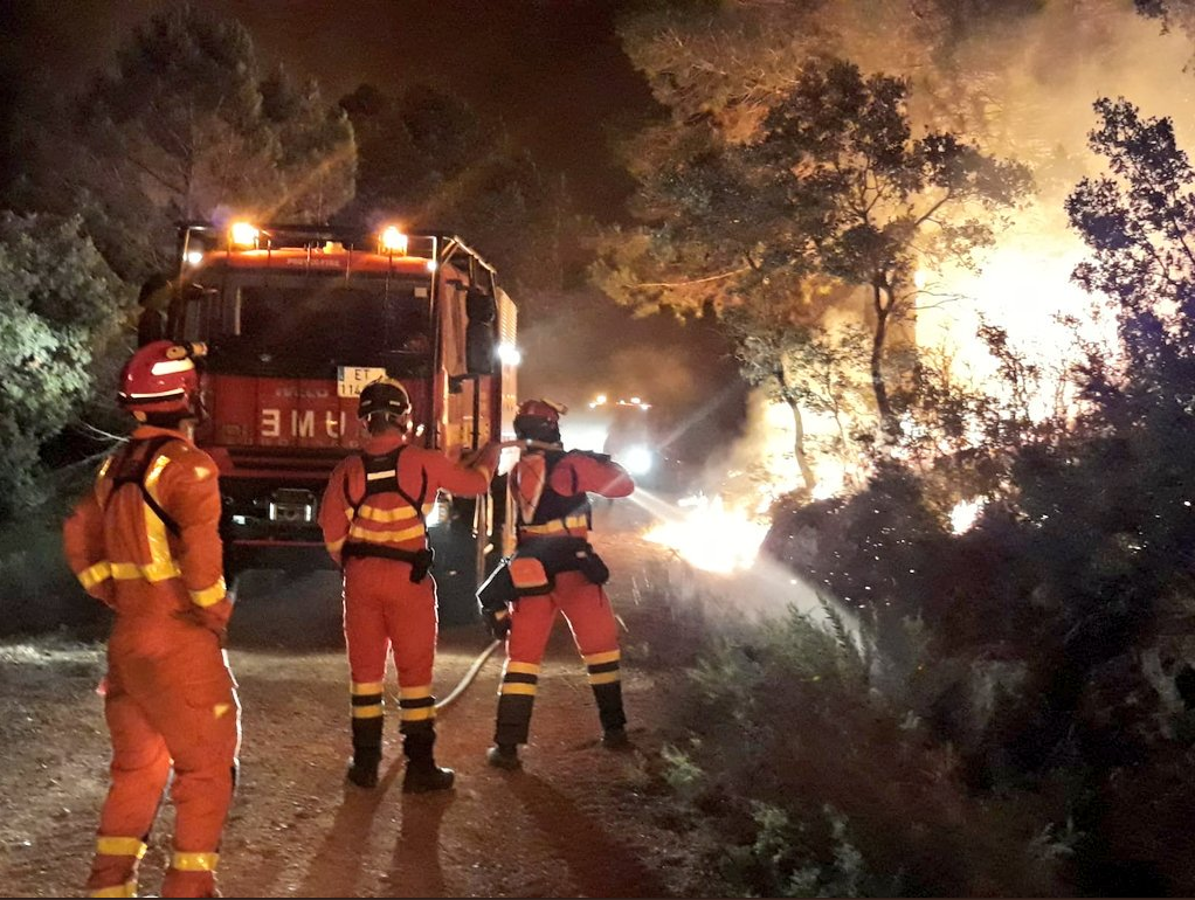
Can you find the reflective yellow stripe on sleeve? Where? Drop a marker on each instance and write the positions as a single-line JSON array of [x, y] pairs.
[[93, 575], [157, 571], [210, 596]]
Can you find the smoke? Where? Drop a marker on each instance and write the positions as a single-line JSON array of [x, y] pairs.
[[581, 345], [1023, 87]]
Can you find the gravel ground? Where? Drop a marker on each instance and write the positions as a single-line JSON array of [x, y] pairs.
[[577, 821]]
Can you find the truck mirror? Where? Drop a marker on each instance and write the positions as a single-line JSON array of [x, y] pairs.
[[480, 306], [481, 348]]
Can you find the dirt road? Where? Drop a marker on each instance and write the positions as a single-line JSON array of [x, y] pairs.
[[578, 821]]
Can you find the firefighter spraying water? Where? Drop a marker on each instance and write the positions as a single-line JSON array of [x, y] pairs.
[[553, 568]]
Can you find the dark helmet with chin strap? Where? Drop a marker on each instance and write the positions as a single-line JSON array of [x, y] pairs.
[[384, 397], [539, 420]]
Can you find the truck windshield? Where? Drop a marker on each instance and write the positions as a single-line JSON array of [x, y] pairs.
[[302, 327], [339, 323]]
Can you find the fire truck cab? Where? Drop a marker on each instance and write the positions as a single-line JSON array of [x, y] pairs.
[[297, 320]]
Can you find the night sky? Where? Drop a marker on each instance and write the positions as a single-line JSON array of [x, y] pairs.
[[551, 70]]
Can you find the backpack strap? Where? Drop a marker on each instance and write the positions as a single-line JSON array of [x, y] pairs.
[[381, 477], [132, 464]]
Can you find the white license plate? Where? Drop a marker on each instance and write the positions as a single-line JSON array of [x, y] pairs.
[[351, 379]]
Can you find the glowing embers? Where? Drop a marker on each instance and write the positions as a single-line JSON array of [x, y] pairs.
[[965, 514], [711, 537]]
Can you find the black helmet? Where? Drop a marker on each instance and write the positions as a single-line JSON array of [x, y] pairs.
[[383, 396], [539, 420]]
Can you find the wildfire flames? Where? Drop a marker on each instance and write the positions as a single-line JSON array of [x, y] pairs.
[[711, 537]]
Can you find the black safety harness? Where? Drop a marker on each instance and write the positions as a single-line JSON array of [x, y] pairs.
[[381, 477], [130, 467]]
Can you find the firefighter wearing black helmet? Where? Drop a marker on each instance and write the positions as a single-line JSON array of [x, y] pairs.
[[554, 568], [373, 517]]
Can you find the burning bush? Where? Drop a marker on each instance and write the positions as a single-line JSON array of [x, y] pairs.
[[1029, 697]]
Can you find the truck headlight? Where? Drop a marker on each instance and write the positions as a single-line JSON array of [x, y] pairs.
[[638, 460]]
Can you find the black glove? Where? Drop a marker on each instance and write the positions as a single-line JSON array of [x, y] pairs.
[[497, 622]]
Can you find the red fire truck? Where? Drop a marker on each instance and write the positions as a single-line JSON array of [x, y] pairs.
[[297, 319]]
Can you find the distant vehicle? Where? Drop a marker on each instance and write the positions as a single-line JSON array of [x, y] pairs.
[[636, 441], [298, 318]]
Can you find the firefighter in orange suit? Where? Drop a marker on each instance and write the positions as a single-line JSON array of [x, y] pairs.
[[144, 540], [373, 518], [553, 568]]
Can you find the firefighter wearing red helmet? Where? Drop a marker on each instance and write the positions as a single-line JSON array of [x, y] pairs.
[[145, 541], [554, 568], [373, 517]]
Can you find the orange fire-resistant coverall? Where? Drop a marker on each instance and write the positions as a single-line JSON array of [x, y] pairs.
[[145, 542], [365, 515], [551, 493]]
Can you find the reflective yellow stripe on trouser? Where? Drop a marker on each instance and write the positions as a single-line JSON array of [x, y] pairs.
[[367, 699], [128, 889], [123, 855], [416, 705], [120, 846], [603, 667], [194, 862], [519, 678]]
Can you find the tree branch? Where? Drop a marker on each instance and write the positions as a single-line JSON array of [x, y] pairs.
[[680, 284], [929, 213]]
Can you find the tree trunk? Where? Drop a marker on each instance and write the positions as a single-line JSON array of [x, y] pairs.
[[799, 445], [878, 386]]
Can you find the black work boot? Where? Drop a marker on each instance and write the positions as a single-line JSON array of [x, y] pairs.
[[423, 775], [504, 756], [363, 767], [616, 738], [367, 752], [611, 715]]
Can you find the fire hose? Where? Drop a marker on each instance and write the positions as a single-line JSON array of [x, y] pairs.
[[475, 667], [468, 677]]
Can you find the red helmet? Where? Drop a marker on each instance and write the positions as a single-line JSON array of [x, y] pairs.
[[161, 378], [543, 409]]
